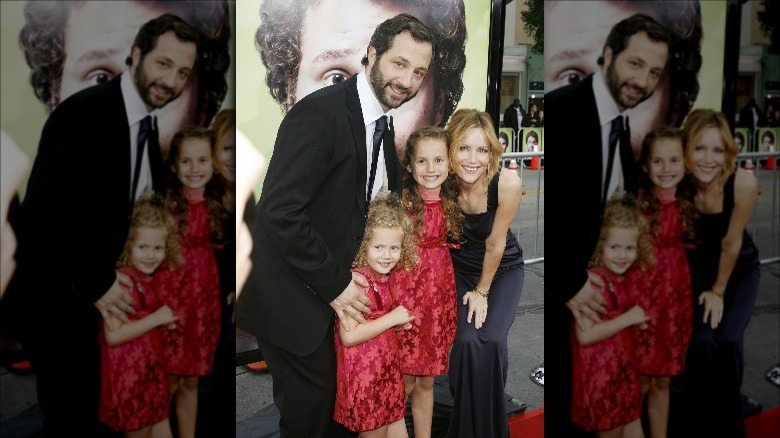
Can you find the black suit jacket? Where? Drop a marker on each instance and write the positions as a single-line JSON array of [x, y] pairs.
[[510, 117], [76, 211], [310, 218], [576, 134]]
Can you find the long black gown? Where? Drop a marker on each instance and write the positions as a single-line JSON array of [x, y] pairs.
[[479, 358]]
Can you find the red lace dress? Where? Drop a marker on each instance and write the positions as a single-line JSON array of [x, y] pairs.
[[193, 293], [605, 384], [665, 295], [369, 384], [134, 387], [428, 292]]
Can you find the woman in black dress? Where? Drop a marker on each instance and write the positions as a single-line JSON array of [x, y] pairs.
[[488, 275], [725, 276]]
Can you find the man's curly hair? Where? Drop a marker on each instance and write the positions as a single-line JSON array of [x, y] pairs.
[[43, 41], [278, 39], [682, 21]]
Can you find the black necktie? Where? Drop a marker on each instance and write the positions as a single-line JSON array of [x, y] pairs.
[[379, 131], [614, 136], [143, 134]]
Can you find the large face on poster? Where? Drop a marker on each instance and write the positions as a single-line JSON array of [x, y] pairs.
[[295, 47], [576, 31], [70, 45]]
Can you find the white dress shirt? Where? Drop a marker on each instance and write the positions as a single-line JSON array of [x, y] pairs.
[[372, 111], [136, 111]]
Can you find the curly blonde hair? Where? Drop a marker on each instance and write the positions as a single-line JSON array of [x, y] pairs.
[[623, 212], [385, 212], [413, 203], [150, 212]]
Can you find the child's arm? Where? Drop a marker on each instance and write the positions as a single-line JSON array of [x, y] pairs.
[[133, 329], [359, 333], [606, 329]]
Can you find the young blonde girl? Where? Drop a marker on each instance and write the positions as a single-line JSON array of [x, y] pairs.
[[134, 389], [665, 292], [430, 199], [369, 387], [195, 199], [606, 397]]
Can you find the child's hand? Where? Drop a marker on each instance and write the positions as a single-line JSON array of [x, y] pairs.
[[636, 316], [165, 316], [402, 317]]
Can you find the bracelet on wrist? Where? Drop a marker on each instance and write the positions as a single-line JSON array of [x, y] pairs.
[[483, 293], [720, 294]]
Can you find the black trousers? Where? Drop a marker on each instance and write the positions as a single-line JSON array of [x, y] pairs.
[[63, 343], [305, 390]]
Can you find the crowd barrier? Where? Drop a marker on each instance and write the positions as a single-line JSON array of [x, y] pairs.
[[531, 163], [764, 166]]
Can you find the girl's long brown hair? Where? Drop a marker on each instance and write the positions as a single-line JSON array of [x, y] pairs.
[[413, 203], [214, 192]]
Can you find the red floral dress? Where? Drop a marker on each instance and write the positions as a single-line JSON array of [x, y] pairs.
[[665, 295], [369, 385], [428, 292], [193, 293], [605, 389], [134, 387]]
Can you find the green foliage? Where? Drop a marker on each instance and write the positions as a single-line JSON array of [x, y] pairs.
[[533, 22], [770, 24]]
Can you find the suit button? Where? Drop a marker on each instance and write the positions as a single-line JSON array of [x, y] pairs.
[[355, 238]]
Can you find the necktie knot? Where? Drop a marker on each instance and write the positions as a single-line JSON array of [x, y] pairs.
[[379, 130]]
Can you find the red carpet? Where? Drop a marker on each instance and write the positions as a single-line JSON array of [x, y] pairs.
[[763, 425], [528, 424]]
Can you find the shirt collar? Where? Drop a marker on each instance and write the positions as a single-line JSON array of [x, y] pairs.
[[369, 104], [134, 106], [606, 106]]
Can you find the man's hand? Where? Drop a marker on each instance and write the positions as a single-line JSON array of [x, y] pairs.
[[352, 302], [116, 302], [588, 302]]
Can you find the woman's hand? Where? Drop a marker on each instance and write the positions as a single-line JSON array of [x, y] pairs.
[[713, 307], [478, 306]]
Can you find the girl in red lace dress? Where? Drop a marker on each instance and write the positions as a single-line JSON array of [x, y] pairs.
[[606, 397], [134, 389], [665, 290], [195, 199], [428, 291], [369, 387]]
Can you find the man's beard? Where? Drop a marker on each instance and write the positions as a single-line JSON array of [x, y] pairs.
[[377, 81], [614, 86], [144, 88]]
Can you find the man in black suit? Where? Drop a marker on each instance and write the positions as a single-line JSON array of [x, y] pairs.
[[310, 219], [90, 167], [751, 117], [633, 59], [513, 117]]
